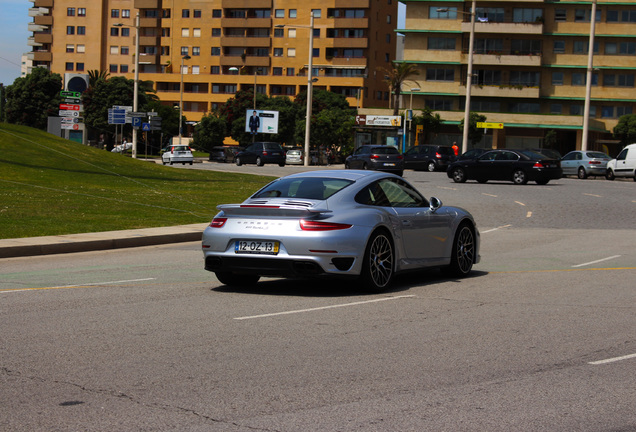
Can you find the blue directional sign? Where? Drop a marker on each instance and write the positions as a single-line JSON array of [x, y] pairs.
[[116, 116]]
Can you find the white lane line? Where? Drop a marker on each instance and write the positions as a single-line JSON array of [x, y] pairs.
[[597, 261], [494, 196], [529, 214], [520, 203], [612, 360], [76, 286], [593, 195], [495, 229], [322, 308]]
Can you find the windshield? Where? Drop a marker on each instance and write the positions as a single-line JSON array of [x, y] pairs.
[[319, 188]]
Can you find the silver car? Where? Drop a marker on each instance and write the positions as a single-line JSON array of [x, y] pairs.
[[177, 154], [584, 163], [367, 225], [294, 157]]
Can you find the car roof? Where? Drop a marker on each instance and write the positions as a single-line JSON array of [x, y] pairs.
[[352, 175]]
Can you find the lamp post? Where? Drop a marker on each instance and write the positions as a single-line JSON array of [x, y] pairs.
[[469, 77], [185, 57], [588, 81], [310, 82], [415, 89], [136, 80]]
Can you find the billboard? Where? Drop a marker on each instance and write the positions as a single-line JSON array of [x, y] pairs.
[[260, 121]]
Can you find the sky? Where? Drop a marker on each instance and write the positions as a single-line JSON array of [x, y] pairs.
[[14, 20]]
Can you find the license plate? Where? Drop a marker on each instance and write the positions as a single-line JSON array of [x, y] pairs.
[[389, 164], [256, 247]]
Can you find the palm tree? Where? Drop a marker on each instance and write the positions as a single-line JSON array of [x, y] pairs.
[[394, 79], [95, 75]]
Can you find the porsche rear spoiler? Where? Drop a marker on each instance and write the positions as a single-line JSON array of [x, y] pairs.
[[298, 209]]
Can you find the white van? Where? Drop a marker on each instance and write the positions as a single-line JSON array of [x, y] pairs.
[[624, 165]]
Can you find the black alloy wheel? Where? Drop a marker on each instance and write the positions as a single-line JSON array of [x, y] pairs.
[[463, 254], [377, 267]]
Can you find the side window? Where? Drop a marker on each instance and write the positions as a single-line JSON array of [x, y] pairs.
[[622, 155], [251, 148], [390, 193]]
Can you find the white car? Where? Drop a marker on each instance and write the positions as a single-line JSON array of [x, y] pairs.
[[122, 147], [294, 157], [177, 154], [624, 165]]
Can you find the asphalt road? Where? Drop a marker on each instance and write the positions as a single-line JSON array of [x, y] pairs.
[[540, 338]]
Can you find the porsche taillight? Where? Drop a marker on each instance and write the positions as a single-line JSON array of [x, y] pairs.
[[309, 225], [218, 222]]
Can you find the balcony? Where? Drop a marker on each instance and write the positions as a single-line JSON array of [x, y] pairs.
[[43, 38], [247, 42], [31, 42], [503, 59], [246, 23], [44, 20], [43, 3], [237, 61], [33, 12], [350, 23], [40, 56], [504, 27], [348, 61], [33, 27], [349, 42], [148, 58], [149, 22], [503, 90], [351, 4], [147, 4], [247, 4], [149, 40]]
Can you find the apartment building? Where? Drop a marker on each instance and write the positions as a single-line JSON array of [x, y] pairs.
[[217, 47], [530, 64]]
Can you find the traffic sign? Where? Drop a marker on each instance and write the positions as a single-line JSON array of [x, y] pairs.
[[70, 107], [67, 113], [136, 122], [71, 94], [75, 101], [485, 125], [70, 120], [152, 114], [137, 114], [145, 127]]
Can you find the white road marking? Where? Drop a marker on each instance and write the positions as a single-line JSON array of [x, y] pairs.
[[494, 196], [76, 286], [593, 195], [597, 261], [612, 360], [520, 203], [529, 214], [495, 229], [322, 308], [447, 188]]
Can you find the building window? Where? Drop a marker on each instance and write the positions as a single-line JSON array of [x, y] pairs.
[[559, 47], [439, 104], [433, 13], [215, 70], [291, 52], [185, 13], [215, 51], [277, 71], [525, 78], [317, 33], [79, 67], [217, 13], [316, 12], [292, 13], [197, 13], [524, 107], [196, 51], [291, 33], [196, 32], [315, 52], [195, 69], [185, 32], [279, 32], [623, 110], [184, 51], [279, 13], [114, 13], [81, 48], [125, 13], [490, 14], [388, 19], [70, 11], [278, 52], [387, 38], [123, 68], [291, 71], [440, 74], [70, 48], [69, 66], [125, 32], [81, 12], [124, 50], [71, 30], [560, 15], [216, 32], [627, 48], [113, 68], [81, 30], [526, 15], [578, 79], [114, 50], [557, 78], [583, 15], [441, 43], [628, 16], [556, 108]]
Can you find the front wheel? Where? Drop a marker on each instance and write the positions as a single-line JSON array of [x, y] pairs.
[[377, 267], [233, 279], [519, 177], [609, 174], [259, 161], [431, 167], [463, 254], [238, 161], [458, 175], [581, 173]]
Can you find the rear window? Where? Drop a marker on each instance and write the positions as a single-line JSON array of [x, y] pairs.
[[303, 187], [272, 146], [597, 155], [445, 150], [384, 150]]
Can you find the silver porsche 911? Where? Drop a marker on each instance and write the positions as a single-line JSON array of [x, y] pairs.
[[368, 225]]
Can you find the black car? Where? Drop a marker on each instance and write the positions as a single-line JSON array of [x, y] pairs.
[[224, 153], [429, 157], [261, 153], [376, 157], [517, 166], [472, 153]]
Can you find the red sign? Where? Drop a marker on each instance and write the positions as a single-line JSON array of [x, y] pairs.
[[68, 107]]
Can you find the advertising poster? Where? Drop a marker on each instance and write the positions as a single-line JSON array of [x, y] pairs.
[[260, 121]]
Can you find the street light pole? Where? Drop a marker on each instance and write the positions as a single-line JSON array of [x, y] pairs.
[[469, 78], [309, 88], [588, 81], [185, 57]]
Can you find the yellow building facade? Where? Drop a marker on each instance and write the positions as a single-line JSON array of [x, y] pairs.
[[220, 46], [530, 64]]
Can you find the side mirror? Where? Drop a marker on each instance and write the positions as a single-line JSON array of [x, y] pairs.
[[434, 204]]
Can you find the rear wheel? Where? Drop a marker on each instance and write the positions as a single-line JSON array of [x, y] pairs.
[[463, 254], [581, 173], [259, 161], [519, 177], [233, 279], [609, 174], [458, 174], [431, 166], [365, 167], [238, 161], [377, 267]]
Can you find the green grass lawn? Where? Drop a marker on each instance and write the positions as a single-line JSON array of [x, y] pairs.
[[51, 186]]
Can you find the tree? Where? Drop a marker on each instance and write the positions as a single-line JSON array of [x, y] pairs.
[[34, 98], [431, 122], [474, 135], [625, 130], [329, 112], [394, 79], [209, 132], [96, 75]]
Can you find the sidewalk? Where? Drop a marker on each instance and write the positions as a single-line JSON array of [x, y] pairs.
[[34, 246]]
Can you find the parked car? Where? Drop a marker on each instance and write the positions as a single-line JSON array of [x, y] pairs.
[[584, 163], [429, 157], [122, 147], [376, 157], [224, 154], [260, 153], [294, 156], [517, 166], [472, 153], [338, 223], [624, 165], [177, 154], [550, 153]]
